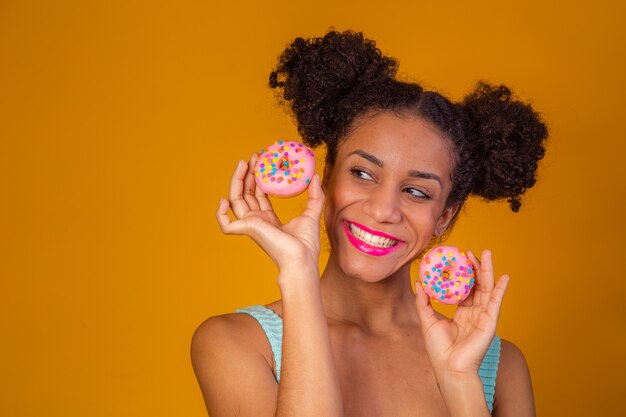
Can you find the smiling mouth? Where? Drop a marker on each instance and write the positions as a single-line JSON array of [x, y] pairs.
[[368, 238]]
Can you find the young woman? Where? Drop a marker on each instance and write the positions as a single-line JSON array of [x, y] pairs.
[[400, 163]]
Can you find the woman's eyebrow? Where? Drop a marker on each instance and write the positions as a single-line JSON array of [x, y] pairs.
[[413, 173], [367, 156], [426, 175]]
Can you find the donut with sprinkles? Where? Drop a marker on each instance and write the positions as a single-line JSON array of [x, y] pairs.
[[284, 169], [447, 274]]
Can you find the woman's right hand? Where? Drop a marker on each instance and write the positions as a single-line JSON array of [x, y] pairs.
[[293, 244]]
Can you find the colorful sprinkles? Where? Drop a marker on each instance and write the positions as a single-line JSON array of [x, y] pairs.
[[447, 274], [287, 163]]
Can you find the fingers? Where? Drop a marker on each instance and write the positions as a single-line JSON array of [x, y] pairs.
[[485, 270], [497, 295], [425, 311], [222, 215], [484, 278], [249, 185], [469, 301], [486, 294], [256, 199], [316, 198], [230, 227], [235, 195], [264, 201], [223, 219]]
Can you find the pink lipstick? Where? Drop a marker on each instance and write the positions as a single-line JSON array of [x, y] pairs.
[[368, 234]]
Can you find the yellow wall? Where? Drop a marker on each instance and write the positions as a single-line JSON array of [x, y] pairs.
[[120, 123]]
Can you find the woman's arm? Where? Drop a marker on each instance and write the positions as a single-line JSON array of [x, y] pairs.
[[457, 347], [309, 384], [514, 391], [233, 374], [235, 378]]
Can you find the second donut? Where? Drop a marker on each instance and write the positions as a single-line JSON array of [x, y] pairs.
[[447, 274]]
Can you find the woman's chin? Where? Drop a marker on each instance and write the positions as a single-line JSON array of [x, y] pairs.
[[368, 271]]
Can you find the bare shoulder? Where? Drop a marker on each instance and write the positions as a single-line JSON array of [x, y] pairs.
[[228, 330], [233, 362], [513, 391]]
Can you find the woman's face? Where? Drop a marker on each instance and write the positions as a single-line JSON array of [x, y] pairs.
[[386, 194]]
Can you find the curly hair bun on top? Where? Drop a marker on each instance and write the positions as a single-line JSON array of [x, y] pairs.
[[318, 77], [329, 81], [507, 139]]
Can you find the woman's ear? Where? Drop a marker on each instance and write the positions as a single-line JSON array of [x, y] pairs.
[[446, 217], [326, 177]]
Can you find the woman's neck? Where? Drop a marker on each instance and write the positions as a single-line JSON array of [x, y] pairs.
[[381, 307]]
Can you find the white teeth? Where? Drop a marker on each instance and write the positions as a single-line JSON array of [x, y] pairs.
[[370, 239]]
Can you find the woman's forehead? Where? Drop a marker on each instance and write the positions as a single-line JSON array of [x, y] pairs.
[[399, 140]]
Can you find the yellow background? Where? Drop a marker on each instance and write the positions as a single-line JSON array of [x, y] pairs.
[[120, 124]]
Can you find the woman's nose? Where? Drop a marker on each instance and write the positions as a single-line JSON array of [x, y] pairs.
[[383, 205]]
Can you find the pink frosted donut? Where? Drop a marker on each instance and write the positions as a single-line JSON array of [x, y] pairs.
[[284, 169], [447, 274]]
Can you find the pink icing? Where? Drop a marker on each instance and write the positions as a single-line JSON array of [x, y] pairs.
[[447, 274], [284, 169]]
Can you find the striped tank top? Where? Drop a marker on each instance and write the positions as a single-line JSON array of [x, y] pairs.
[[272, 325]]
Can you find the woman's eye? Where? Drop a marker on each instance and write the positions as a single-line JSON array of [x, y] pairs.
[[360, 174], [417, 193]]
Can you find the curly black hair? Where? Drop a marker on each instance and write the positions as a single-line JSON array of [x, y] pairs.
[[328, 82]]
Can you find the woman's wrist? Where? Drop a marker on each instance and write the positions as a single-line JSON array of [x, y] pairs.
[[298, 279], [463, 394]]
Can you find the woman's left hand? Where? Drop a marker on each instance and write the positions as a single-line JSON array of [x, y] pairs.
[[457, 347]]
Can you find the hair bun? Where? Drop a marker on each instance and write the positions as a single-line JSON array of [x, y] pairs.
[[507, 138], [315, 75]]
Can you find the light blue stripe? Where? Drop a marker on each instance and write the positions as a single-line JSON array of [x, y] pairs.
[[489, 369], [272, 325]]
